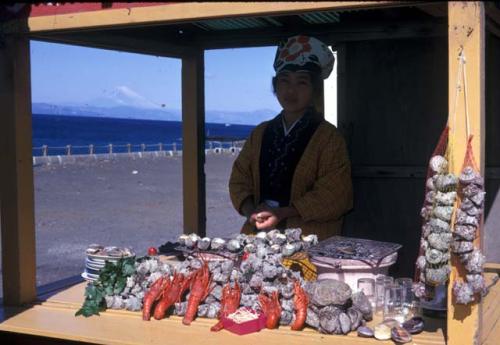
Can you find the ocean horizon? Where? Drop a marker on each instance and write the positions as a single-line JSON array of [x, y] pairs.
[[58, 131]]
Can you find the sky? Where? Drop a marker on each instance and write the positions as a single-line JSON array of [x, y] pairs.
[[235, 79]]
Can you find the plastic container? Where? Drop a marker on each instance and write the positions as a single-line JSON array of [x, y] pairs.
[[246, 327], [349, 271]]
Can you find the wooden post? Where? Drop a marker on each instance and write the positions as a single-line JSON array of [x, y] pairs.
[[174, 148], [143, 147], [91, 149], [110, 148], [44, 150], [465, 31], [193, 144], [160, 147], [68, 150], [129, 148], [16, 175]]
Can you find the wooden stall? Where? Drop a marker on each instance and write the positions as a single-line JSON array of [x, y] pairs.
[[397, 66]]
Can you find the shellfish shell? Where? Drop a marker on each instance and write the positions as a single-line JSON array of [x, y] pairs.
[[382, 332], [438, 164]]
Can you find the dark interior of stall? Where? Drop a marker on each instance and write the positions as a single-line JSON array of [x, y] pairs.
[[392, 100]]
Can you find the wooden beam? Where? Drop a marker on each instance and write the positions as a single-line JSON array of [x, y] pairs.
[[327, 33], [193, 143], [16, 173], [115, 41], [466, 30], [183, 12]]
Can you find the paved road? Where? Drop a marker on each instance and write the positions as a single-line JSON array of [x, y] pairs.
[[125, 202]]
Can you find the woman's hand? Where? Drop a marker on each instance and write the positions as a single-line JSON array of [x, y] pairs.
[[266, 218]]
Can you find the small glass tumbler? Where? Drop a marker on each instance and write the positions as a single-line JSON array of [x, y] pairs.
[[393, 302], [380, 282], [408, 297], [367, 285]]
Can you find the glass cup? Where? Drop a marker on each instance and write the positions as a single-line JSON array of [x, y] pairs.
[[367, 285], [408, 297], [393, 302], [380, 282]]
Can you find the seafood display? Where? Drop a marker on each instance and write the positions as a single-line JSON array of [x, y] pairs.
[[467, 222], [437, 212]]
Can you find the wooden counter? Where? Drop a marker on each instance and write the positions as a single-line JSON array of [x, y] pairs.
[[54, 317]]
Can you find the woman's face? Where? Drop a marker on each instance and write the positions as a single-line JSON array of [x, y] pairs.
[[294, 91]]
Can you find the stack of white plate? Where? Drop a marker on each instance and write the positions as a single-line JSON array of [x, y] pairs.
[[97, 256]]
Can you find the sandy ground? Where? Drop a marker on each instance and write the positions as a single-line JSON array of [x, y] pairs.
[[106, 202]]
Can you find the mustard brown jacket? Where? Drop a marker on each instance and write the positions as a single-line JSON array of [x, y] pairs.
[[321, 185]]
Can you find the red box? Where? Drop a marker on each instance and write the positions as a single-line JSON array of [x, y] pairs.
[[245, 327]]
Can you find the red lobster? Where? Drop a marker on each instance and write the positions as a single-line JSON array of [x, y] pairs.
[[199, 290], [152, 295], [300, 301], [271, 307], [229, 303], [172, 292]]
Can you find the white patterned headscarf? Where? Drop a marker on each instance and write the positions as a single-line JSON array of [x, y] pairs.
[[304, 53]]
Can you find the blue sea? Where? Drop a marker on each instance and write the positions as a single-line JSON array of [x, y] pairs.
[[58, 131]]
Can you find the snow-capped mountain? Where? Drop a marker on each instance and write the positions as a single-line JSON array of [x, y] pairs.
[[123, 102]]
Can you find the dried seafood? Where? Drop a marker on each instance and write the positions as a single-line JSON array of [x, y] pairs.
[[436, 232], [467, 222]]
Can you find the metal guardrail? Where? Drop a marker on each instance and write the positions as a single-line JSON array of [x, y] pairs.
[[69, 150]]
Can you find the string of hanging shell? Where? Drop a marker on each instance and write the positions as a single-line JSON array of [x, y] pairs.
[[437, 212], [467, 222]]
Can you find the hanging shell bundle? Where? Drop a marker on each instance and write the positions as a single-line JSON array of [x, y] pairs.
[[436, 231], [467, 222]]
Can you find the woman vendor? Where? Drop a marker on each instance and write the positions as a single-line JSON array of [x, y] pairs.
[[294, 170]]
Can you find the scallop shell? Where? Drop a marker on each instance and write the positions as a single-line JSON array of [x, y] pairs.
[[471, 190], [437, 276], [434, 256], [421, 262], [382, 332], [430, 183], [261, 236], [468, 175], [400, 335], [426, 212], [478, 199], [460, 247], [438, 164], [279, 239], [474, 211], [463, 218], [272, 234], [233, 245], [218, 243], [475, 262], [443, 212], [466, 203], [288, 249], [463, 293], [476, 282], [438, 225], [446, 199], [311, 239], [293, 235], [429, 197], [182, 239], [440, 241], [204, 243], [466, 232], [446, 183], [426, 230]]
